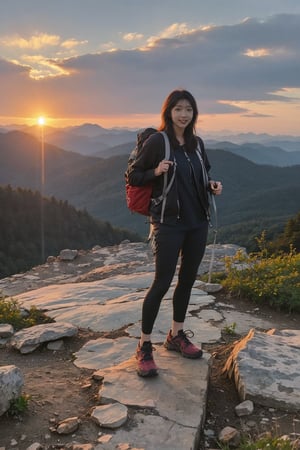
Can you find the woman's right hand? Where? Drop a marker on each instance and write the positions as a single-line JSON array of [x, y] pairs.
[[162, 167], [216, 187]]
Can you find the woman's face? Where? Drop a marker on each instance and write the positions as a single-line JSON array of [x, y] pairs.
[[182, 114]]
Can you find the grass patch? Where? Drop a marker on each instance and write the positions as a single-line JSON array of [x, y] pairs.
[[18, 405], [230, 329], [12, 313], [263, 279]]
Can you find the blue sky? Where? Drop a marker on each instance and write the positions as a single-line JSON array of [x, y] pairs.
[[113, 62]]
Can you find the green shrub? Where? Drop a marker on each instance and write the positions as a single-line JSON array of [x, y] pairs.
[[18, 405], [11, 313], [274, 279], [230, 329]]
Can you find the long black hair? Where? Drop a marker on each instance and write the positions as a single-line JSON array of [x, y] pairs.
[[166, 120]]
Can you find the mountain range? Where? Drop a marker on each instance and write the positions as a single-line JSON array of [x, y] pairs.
[[255, 196], [94, 140]]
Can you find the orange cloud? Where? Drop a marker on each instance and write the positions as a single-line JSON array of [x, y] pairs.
[[257, 53], [35, 42], [173, 31], [176, 29], [40, 67], [132, 36], [71, 43]]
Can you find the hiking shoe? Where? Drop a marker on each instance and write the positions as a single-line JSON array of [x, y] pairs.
[[182, 344], [146, 366]]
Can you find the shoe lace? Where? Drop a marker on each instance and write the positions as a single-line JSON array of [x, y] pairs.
[[147, 352], [185, 335]]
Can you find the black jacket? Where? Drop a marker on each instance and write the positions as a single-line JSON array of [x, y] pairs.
[[141, 172]]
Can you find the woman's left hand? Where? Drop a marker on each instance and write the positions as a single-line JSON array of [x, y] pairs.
[[216, 187]]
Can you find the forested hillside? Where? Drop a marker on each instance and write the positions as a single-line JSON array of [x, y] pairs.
[[255, 197], [63, 227], [260, 154]]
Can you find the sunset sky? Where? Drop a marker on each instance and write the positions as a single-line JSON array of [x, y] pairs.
[[113, 62]]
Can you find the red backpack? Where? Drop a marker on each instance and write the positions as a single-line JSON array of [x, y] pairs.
[[138, 198]]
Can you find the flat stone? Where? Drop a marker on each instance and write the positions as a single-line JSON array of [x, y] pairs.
[[56, 345], [58, 296], [68, 425], [3, 343], [28, 339], [244, 409], [112, 303], [31, 277], [35, 446], [6, 330], [185, 380], [100, 317], [82, 447], [211, 287], [102, 353], [105, 438], [244, 321], [111, 416], [152, 432], [204, 332], [266, 368], [230, 436], [68, 254], [11, 384]]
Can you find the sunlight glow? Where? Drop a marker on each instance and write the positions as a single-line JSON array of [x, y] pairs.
[[257, 53], [41, 121]]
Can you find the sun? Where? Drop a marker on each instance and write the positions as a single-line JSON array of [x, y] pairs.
[[41, 120]]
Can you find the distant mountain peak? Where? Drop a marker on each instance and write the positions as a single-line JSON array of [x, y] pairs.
[[87, 129]]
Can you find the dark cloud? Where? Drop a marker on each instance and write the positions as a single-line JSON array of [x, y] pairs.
[[9, 68], [221, 63]]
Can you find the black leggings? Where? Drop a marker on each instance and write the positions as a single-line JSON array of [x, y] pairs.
[[169, 243]]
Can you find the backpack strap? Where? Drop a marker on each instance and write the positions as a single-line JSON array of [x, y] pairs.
[[200, 151], [167, 157], [166, 187]]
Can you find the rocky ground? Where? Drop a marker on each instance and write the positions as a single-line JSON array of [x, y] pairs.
[[58, 390], [222, 394]]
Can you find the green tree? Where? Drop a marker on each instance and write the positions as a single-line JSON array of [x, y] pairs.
[[290, 236], [64, 227]]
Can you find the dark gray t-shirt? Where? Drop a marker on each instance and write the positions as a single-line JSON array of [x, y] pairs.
[[188, 168]]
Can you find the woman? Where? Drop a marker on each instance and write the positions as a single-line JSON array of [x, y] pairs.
[[181, 228]]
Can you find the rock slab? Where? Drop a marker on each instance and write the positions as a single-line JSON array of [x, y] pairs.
[[11, 383], [29, 339], [266, 368]]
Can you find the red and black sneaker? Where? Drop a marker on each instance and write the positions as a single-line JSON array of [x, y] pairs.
[[146, 366], [183, 345]]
